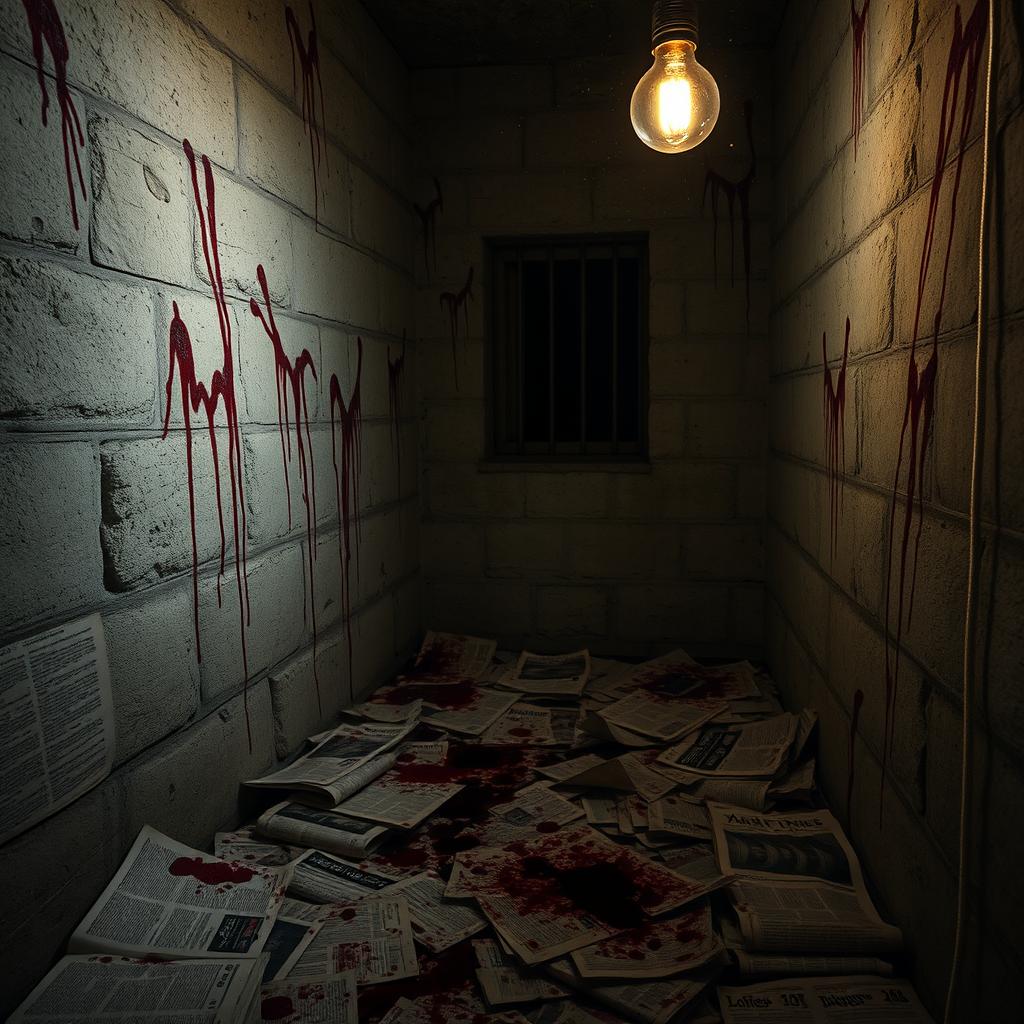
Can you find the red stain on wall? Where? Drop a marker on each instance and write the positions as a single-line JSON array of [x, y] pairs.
[[735, 193], [858, 703], [428, 222], [346, 482], [835, 434], [307, 57], [858, 24], [46, 27], [964, 62], [454, 303], [291, 378], [195, 395], [396, 368]]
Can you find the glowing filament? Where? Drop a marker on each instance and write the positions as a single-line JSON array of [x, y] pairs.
[[675, 106]]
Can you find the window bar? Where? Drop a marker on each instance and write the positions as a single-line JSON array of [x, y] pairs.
[[583, 349], [551, 349], [615, 348], [520, 345]]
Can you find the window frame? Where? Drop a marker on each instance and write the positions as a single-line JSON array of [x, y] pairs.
[[497, 354]]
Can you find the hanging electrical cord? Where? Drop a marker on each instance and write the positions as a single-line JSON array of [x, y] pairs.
[[971, 603]]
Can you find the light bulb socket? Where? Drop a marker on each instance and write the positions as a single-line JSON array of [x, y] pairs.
[[673, 19]]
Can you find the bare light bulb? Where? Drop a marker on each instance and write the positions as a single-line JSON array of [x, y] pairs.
[[675, 105]]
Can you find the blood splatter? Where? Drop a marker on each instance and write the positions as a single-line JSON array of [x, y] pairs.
[[46, 27], [717, 185], [858, 702], [835, 434], [291, 378], [454, 303], [346, 482], [962, 67], [276, 1008], [450, 696], [439, 660], [210, 872], [396, 368], [603, 890], [521, 731], [858, 24], [195, 395], [428, 220], [547, 827], [308, 59]]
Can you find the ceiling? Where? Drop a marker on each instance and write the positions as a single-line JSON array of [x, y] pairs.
[[450, 33]]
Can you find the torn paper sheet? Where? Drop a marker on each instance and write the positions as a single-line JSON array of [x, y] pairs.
[[556, 675], [474, 716], [172, 901]]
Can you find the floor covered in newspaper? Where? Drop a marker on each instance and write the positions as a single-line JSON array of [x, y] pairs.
[[492, 837]]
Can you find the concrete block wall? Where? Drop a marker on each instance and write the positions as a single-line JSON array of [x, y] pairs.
[[847, 238], [94, 514], [626, 559]]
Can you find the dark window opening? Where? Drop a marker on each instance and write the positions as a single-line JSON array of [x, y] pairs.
[[569, 352]]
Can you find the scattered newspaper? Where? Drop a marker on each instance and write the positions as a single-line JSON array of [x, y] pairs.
[[631, 772], [749, 793], [247, 846], [325, 830], [401, 804], [659, 949], [563, 771], [113, 988], [295, 927], [677, 675], [556, 675], [327, 1000], [677, 816], [475, 718], [393, 713], [172, 901], [524, 725], [768, 965], [321, 878], [350, 757], [535, 810], [662, 718], [696, 861], [462, 1009], [823, 1001], [504, 984], [56, 722], [372, 937], [437, 924], [450, 655], [757, 749], [610, 680]]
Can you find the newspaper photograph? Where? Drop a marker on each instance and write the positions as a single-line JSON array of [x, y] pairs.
[[800, 845], [104, 988], [372, 936], [767, 965], [340, 764], [401, 804], [814, 918], [448, 656], [758, 749], [556, 675], [677, 816], [325, 830], [172, 901], [321, 878], [658, 949], [245, 845], [475, 717], [659, 717], [294, 929], [56, 722], [524, 725], [327, 1000], [437, 924], [823, 1001]]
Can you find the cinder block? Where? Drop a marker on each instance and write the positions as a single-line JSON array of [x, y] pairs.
[[626, 195], [593, 81], [461, 491], [407, 618], [566, 612], [453, 549], [277, 621], [454, 432], [666, 429], [525, 549], [141, 205], [53, 874], [144, 57], [725, 428], [679, 249], [37, 208], [352, 297], [618, 551], [380, 555], [798, 506], [374, 660], [107, 374], [567, 495], [251, 230], [269, 480], [380, 220], [748, 616], [803, 593], [677, 491], [52, 561], [496, 609], [575, 137], [145, 529], [722, 308], [379, 479], [858, 564], [673, 612], [212, 758], [539, 201], [732, 552], [153, 670], [483, 143], [436, 370], [274, 149], [513, 88], [397, 308]]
